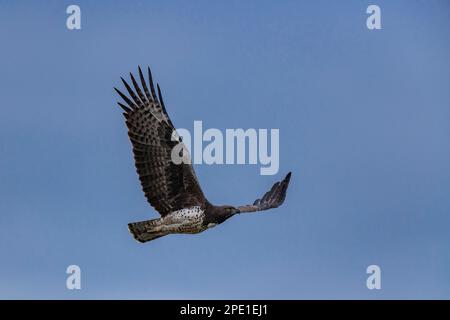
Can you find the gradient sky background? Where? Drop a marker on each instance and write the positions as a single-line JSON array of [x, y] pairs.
[[364, 120]]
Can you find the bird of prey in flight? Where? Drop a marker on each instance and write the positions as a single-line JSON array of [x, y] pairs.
[[173, 189]]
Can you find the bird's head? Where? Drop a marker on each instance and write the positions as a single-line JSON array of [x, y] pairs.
[[222, 213], [230, 210]]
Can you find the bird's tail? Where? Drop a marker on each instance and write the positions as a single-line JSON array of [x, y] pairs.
[[148, 230]]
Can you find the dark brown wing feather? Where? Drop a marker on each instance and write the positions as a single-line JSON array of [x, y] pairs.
[[272, 199], [167, 186]]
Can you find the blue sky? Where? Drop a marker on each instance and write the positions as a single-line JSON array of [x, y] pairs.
[[364, 127]]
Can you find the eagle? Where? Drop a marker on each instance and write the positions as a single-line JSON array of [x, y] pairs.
[[172, 188]]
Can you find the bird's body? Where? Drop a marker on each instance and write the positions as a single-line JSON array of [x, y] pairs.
[[187, 220], [184, 221], [171, 187]]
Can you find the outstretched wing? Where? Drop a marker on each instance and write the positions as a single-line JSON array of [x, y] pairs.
[[272, 199], [167, 186]]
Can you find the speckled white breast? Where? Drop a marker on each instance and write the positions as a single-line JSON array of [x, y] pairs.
[[193, 213], [188, 220]]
